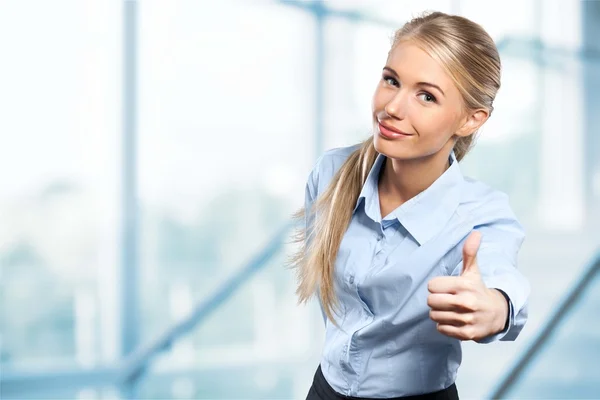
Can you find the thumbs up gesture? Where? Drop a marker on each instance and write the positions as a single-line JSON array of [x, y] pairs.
[[462, 306]]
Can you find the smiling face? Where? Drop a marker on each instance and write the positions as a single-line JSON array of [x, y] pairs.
[[418, 111]]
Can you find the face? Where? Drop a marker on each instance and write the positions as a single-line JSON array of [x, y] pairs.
[[417, 109]]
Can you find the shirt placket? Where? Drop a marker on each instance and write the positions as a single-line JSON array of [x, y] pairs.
[[384, 241]]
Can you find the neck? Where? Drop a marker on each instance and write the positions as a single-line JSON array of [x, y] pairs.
[[404, 179]]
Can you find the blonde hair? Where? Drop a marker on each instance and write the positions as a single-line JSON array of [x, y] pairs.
[[469, 56]]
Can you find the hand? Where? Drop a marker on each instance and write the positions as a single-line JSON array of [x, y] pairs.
[[462, 306]]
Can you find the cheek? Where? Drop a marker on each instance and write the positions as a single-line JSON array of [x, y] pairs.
[[433, 124]]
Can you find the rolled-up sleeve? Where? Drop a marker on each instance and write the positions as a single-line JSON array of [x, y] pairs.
[[497, 261]]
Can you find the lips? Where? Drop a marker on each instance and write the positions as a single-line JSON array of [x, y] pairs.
[[391, 132]]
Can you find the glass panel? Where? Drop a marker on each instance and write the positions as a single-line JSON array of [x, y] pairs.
[[226, 144], [390, 11], [506, 19], [567, 365], [86, 393], [260, 340], [59, 192]]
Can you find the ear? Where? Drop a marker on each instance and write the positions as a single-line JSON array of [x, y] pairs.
[[472, 122]]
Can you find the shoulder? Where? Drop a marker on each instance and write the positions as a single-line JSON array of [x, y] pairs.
[[328, 164], [334, 158], [481, 202], [489, 210]]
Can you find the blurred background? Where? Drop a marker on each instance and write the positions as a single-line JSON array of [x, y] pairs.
[[153, 152]]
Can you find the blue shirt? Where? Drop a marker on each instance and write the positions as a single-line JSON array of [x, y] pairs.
[[387, 346]]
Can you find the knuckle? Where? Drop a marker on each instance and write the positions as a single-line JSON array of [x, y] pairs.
[[430, 300], [455, 302], [469, 333], [431, 285], [468, 319], [469, 302]]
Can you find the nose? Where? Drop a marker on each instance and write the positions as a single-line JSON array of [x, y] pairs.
[[397, 105]]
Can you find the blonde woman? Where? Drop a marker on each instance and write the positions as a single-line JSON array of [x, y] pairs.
[[406, 255]]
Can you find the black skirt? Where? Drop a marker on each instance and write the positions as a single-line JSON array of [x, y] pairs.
[[321, 390]]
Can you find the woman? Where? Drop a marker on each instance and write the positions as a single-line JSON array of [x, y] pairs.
[[408, 257]]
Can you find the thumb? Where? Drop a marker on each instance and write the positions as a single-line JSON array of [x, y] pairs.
[[470, 253]]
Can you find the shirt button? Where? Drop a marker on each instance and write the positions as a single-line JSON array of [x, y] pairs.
[[351, 279], [379, 238]]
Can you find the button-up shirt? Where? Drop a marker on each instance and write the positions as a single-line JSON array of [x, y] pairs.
[[386, 345]]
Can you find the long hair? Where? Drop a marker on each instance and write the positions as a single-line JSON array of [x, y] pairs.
[[468, 54]]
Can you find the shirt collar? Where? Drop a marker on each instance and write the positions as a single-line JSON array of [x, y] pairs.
[[424, 215]]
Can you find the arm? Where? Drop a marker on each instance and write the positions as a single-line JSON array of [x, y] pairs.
[[497, 261]]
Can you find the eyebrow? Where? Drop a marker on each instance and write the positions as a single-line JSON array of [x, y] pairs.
[[390, 70]]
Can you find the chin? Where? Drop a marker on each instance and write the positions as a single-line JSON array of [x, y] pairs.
[[394, 149]]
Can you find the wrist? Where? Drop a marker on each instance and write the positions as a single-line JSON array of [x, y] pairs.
[[501, 313]]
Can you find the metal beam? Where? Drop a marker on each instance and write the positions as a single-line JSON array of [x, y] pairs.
[[319, 82], [129, 266], [45, 382], [318, 7]]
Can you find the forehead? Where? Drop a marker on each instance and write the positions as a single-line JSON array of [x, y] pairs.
[[414, 64]]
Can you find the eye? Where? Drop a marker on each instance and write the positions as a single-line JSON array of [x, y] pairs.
[[390, 80], [427, 97]]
